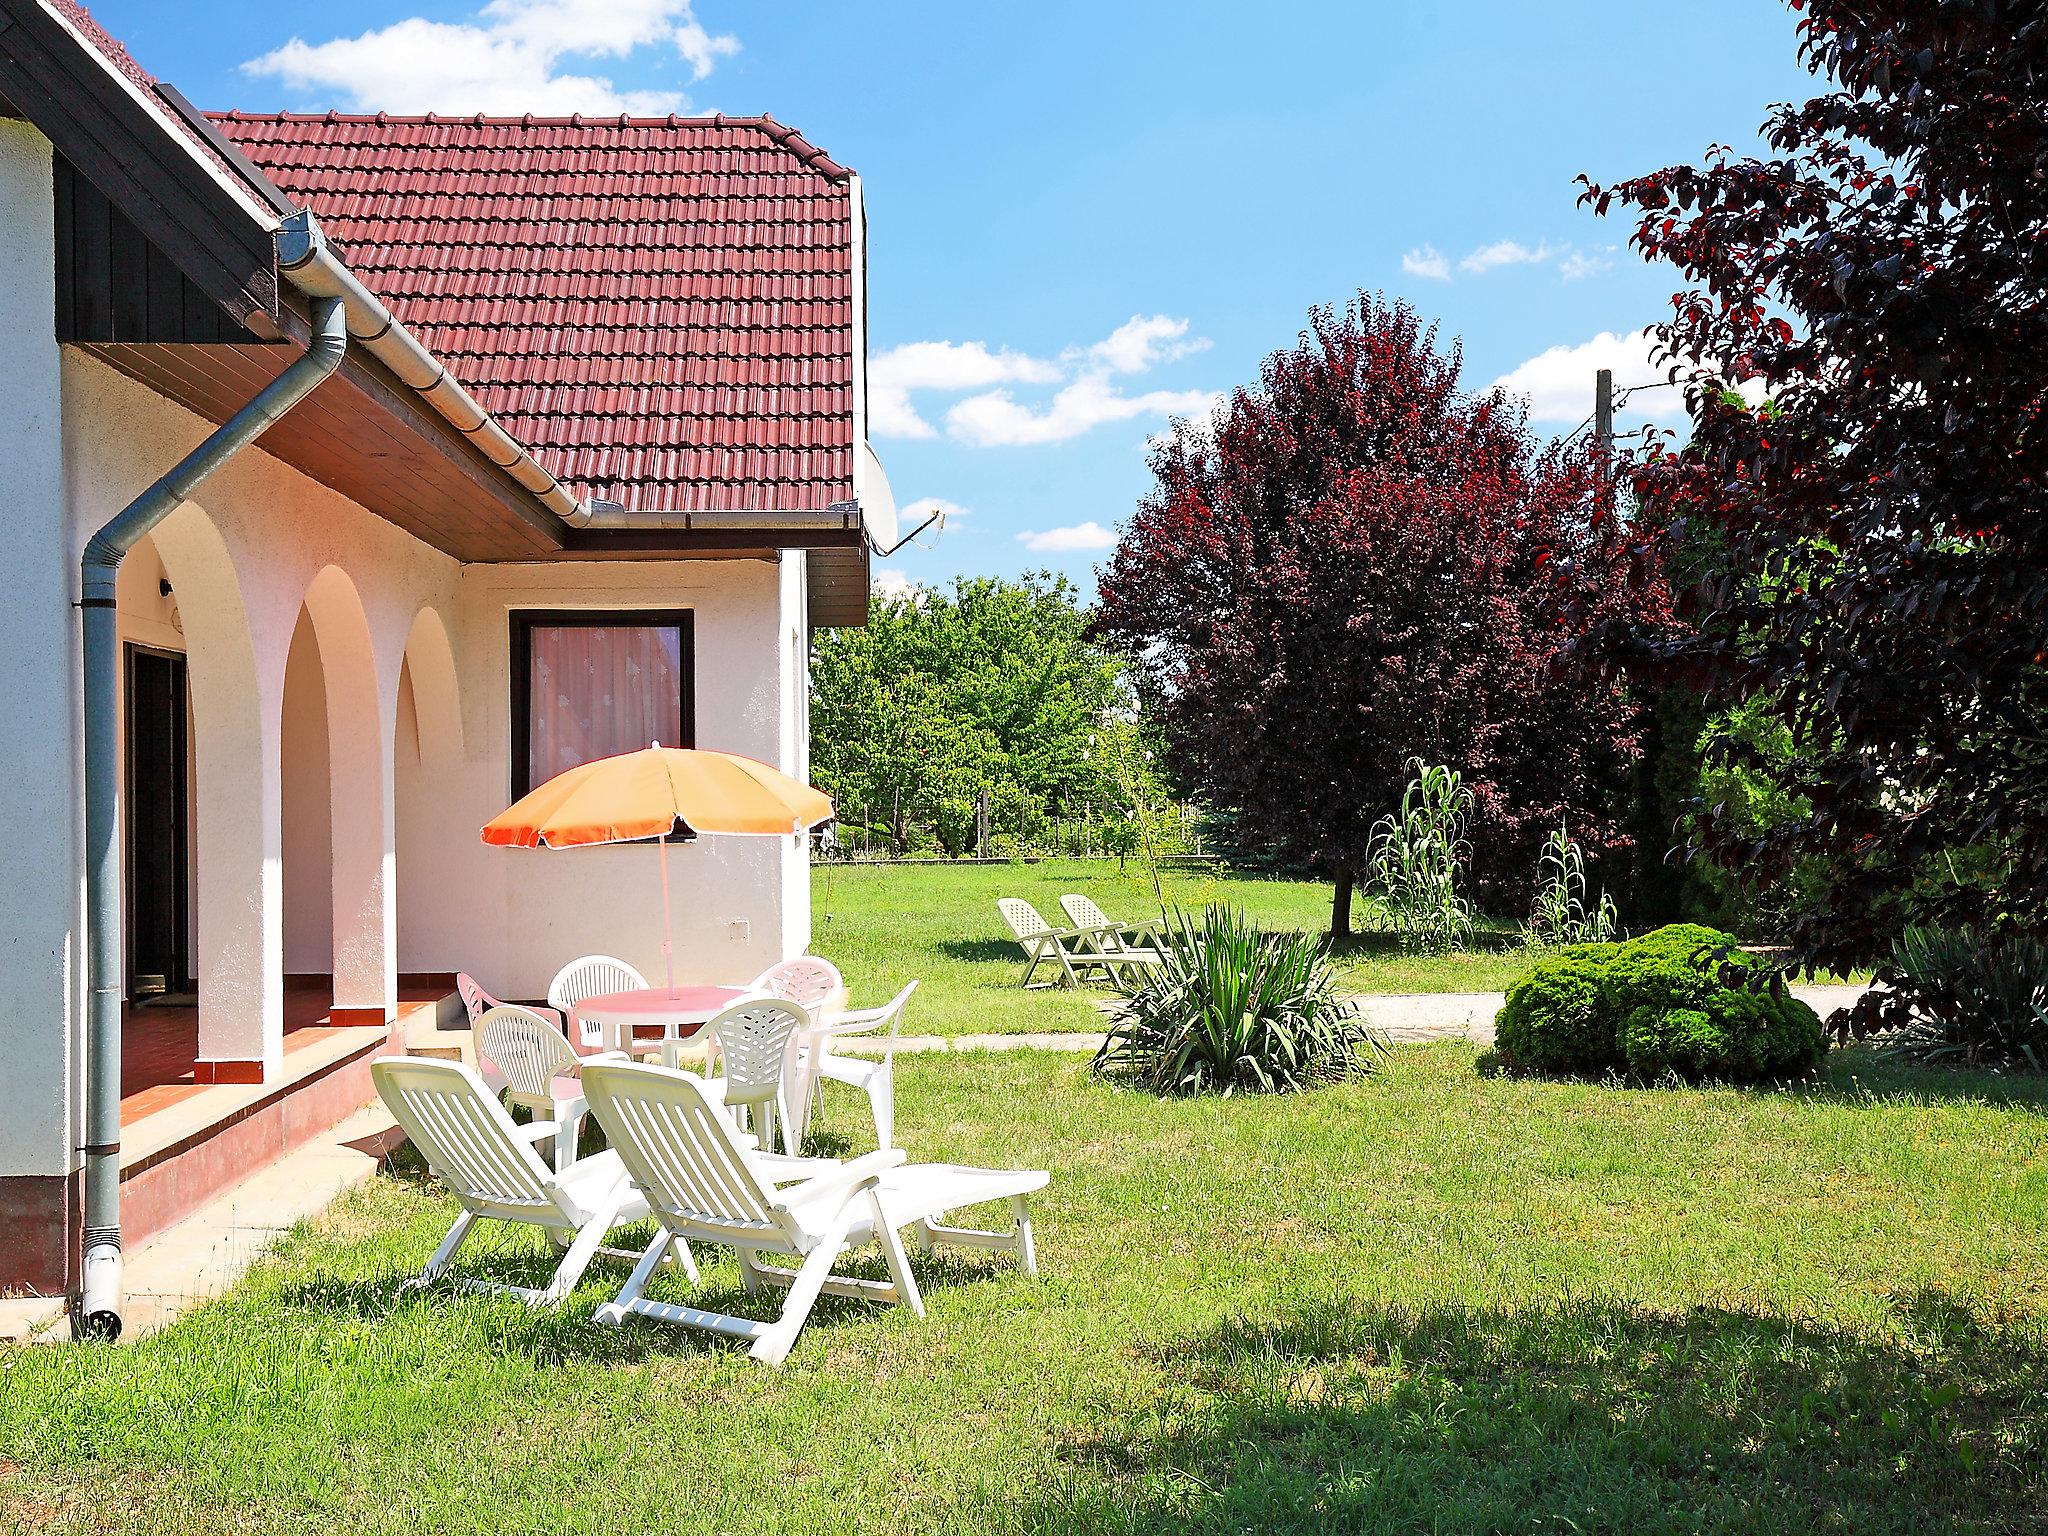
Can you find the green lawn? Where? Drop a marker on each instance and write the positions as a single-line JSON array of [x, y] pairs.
[[886, 924], [1430, 1302]]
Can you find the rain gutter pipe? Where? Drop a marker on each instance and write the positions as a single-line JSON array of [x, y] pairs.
[[99, 1313], [344, 311]]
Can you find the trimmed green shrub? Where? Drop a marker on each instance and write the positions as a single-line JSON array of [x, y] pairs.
[[1681, 1001]]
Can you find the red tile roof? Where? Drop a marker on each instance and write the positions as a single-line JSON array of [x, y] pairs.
[[123, 62], [659, 309]]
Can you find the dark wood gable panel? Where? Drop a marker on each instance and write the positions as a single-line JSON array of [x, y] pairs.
[[115, 284], [129, 153]]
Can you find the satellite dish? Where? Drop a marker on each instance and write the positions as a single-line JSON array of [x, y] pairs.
[[877, 501]]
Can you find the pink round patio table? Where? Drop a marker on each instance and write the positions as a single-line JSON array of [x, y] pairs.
[[677, 1014]]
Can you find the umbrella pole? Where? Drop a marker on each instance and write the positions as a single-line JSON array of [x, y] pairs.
[[668, 922]]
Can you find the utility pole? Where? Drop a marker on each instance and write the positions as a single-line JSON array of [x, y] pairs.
[[1603, 410]]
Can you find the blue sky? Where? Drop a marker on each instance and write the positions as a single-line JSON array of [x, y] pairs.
[[1087, 216]]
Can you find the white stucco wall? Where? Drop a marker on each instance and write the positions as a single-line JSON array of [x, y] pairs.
[[413, 887], [512, 917], [41, 900]]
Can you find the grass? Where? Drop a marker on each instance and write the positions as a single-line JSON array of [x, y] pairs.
[[1427, 1302], [884, 925]]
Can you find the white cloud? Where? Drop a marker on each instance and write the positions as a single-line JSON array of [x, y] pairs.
[[1505, 253], [1559, 383], [893, 586], [1143, 341], [1065, 541], [995, 420], [995, 417], [506, 59], [1578, 265], [703, 49], [941, 365], [1427, 261]]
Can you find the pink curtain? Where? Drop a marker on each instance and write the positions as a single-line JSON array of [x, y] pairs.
[[596, 691]]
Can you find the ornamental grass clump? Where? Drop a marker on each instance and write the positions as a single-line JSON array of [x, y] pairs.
[[1561, 913], [1232, 1008], [1953, 998], [1416, 857], [1681, 1002]]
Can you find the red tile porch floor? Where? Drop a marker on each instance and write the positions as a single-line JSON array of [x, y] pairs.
[[159, 1044]]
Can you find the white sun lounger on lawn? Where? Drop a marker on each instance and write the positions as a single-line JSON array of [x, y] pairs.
[[491, 1168], [704, 1182], [1040, 941], [1134, 944]]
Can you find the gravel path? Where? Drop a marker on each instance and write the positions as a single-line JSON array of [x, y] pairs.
[[1403, 1017]]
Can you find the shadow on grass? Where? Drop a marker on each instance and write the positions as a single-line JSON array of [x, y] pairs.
[[1581, 1417], [1859, 1075], [569, 1332], [985, 951], [1856, 1076]]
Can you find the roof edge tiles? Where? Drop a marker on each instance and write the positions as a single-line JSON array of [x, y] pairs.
[[665, 308], [781, 134]]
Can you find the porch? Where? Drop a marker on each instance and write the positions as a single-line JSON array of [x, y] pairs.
[[185, 1139]]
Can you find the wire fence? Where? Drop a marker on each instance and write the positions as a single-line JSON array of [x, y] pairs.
[[978, 830]]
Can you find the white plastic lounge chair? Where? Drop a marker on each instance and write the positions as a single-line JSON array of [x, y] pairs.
[[592, 976], [753, 1043], [875, 1078], [476, 1002], [704, 1182], [489, 1164], [1041, 941], [1131, 944], [540, 1071]]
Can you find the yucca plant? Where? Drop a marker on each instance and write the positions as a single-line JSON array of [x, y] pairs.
[[1232, 1008], [1963, 1000], [1414, 859]]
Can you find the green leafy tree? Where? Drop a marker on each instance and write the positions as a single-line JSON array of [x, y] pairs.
[[992, 686]]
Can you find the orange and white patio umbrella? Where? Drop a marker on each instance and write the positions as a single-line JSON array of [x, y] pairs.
[[652, 793]]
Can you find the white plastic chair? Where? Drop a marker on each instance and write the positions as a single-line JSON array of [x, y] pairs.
[[592, 976], [814, 985], [489, 1165], [753, 1043], [1132, 944], [704, 1182], [476, 1002], [539, 1066], [875, 1078], [807, 981], [1041, 941]]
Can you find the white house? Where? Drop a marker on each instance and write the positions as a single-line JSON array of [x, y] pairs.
[[585, 470]]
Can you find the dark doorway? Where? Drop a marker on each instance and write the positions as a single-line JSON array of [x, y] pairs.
[[159, 840]]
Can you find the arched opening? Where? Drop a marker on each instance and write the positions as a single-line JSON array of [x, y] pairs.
[[427, 759], [305, 800], [335, 805], [198, 851]]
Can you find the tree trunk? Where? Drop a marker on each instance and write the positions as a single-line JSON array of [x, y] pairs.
[[1340, 906]]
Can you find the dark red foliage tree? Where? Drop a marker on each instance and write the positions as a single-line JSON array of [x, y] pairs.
[[1880, 527], [1360, 564]]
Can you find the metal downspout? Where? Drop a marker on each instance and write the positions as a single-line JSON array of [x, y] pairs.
[[99, 1311]]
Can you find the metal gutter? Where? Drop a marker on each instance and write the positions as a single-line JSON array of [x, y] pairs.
[[308, 263], [99, 1311]]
